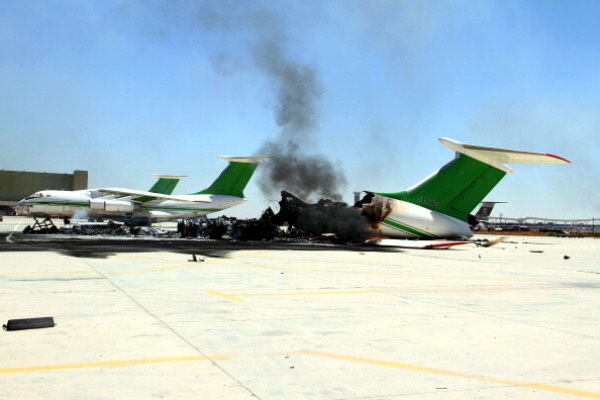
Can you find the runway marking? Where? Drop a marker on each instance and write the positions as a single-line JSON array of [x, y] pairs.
[[237, 296], [225, 295], [114, 363], [457, 374]]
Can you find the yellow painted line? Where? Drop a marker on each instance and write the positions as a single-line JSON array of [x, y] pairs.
[[224, 295], [115, 363], [169, 267], [457, 374], [307, 293], [362, 291]]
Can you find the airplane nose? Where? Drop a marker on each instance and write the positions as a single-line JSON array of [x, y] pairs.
[[21, 208]]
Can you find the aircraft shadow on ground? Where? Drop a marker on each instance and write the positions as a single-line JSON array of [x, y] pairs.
[[103, 248]]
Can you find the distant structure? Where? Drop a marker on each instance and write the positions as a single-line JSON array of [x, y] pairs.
[[543, 224], [16, 185], [486, 209]]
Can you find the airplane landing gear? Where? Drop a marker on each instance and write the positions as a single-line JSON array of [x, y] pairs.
[[45, 226], [66, 221]]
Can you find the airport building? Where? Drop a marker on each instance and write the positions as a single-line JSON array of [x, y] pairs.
[[16, 185]]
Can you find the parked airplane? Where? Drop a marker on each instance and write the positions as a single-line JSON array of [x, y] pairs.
[[137, 207], [486, 210], [440, 206]]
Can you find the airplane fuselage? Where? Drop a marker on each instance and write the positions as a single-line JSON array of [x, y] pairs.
[[95, 204], [400, 219]]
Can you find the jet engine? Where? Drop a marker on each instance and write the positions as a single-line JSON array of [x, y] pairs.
[[111, 205]]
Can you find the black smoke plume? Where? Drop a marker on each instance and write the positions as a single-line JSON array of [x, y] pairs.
[[297, 94], [297, 90]]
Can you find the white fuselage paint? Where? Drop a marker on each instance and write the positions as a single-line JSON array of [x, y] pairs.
[[410, 221], [76, 204]]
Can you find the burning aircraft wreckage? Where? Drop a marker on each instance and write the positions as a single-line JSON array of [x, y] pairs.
[[326, 221], [438, 207]]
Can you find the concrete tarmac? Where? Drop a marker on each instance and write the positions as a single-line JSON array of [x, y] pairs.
[[513, 321]]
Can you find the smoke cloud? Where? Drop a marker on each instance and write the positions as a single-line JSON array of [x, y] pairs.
[[297, 90]]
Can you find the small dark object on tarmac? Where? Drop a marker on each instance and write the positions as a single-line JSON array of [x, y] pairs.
[[565, 257], [29, 323], [536, 251], [196, 259]]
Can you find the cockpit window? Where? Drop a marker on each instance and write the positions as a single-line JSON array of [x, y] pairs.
[[35, 196]]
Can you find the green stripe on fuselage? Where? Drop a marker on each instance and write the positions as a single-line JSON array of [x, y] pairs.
[[86, 204], [407, 229], [59, 203]]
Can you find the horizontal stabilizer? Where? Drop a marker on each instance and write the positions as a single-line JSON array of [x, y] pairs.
[[250, 160], [498, 157], [169, 176]]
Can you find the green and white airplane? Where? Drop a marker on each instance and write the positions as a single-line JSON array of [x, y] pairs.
[[440, 206], [137, 207]]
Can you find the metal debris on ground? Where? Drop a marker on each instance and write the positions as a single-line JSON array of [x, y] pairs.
[[45, 226], [488, 243], [29, 323], [196, 258], [108, 229]]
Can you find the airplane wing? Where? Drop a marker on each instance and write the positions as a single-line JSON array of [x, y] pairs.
[[158, 196]]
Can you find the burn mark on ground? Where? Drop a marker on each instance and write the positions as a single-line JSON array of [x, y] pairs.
[[103, 248]]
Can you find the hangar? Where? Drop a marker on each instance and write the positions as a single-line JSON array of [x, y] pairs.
[[15, 185]]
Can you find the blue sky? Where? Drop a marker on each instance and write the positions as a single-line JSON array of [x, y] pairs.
[[125, 89]]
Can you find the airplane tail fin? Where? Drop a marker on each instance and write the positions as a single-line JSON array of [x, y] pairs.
[[234, 177], [460, 185], [165, 183], [485, 210]]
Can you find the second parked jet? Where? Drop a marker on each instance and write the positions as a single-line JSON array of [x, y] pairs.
[[137, 207]]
